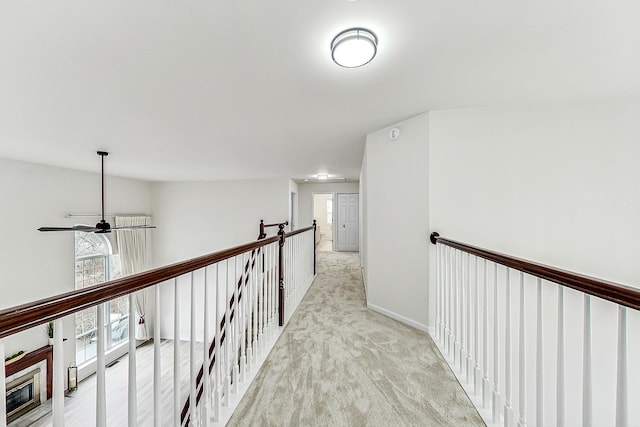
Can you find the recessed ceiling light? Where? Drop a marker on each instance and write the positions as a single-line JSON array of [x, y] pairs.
[[323, 177], [354, 47]]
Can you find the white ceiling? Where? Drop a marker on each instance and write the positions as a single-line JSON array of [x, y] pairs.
[[246, 89]]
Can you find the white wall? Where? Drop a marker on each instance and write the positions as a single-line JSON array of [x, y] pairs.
[[35, 265], [293, 205], [305, 197], [396, 216], [364, 230], [197, 218], [559, 185]]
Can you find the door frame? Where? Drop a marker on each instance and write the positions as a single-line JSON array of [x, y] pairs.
[[333, 214]]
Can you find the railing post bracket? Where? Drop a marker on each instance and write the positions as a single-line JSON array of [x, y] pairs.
[[434, 237]]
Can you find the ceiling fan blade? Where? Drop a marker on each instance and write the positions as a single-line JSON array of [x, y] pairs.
[[75, 228], [133, 227]]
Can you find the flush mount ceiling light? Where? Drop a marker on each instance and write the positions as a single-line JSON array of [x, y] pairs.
[[323, 177], [354, 47]]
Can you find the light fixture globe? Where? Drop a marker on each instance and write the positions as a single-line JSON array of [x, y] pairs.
[[354, 47]]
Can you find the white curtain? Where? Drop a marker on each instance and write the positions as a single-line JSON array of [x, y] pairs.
[[134, 247]]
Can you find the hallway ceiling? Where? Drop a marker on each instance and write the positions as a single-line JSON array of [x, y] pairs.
[[247, 89]]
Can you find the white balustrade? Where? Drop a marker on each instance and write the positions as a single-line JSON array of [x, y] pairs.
[[496, 398], [587, 420], [176, 353], [522, 359], [235, 336], [539, 356], [101, 394], [486, 384], [467, 308], [157, 364], [132, 407], [508, 408], [622, 416], [560, 410]]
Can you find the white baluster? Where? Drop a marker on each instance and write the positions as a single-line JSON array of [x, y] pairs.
[[265, 300], [176, 353], [560, 362], [254, 315], [217, 354], [443, 295], [622, 411], [456, 317], [260, 312], [227, 339], [477, 378], [465, 312], [243, 320], [486, 386], [587, 420], [235, 367], [522, 365], [451, 302], [132, 409], [206, 357], [437, 331], [58, 370], [101, 395], [496, 398], [3, 386], [462, 312], [539, 359], [508, 409], [192, 356], [157, 357], [447, 302]]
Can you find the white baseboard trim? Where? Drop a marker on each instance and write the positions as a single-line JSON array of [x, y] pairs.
[[364, 282], [398, 317]]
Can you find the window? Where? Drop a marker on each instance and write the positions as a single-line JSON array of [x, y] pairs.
[[329, 211], [96, 264]]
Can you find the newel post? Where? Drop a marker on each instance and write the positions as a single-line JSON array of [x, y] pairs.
[[262, 234], [314, 247], [281, 276]]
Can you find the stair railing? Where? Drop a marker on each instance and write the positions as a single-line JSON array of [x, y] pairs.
[[237, 332], [475, 330]]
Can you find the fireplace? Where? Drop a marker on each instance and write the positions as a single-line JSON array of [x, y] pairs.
[[23, 394]]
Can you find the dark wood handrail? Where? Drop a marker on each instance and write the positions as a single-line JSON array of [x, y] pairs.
[[610, 291], [25, 316], [294, 232]]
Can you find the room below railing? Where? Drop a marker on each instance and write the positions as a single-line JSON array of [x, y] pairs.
[[477, 303], [230, 306]]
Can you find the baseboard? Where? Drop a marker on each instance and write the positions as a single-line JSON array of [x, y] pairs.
[[399, 318], [364, 282]]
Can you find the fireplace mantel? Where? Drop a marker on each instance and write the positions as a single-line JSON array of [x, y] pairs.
[[32, 358]]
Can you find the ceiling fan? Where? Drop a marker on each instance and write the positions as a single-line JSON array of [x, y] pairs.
[[102, 226]]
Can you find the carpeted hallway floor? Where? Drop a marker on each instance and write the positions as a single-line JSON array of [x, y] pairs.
[[340, 364]]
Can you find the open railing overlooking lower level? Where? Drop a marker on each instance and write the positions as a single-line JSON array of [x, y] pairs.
[[475, 330], [239, 299]]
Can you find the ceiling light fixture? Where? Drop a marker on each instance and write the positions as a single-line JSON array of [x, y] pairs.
[[354, 47], [323, 177]]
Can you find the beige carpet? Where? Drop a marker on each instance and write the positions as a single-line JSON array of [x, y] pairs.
[[340, 364]]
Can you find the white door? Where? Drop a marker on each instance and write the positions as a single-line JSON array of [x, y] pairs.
[[347, 222]]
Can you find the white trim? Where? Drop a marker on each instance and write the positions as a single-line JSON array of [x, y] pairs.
[[364, 282], [399, 318]]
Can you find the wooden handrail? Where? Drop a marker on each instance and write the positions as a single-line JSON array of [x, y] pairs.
[[294, 232], [610, 291], [25, 316]]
